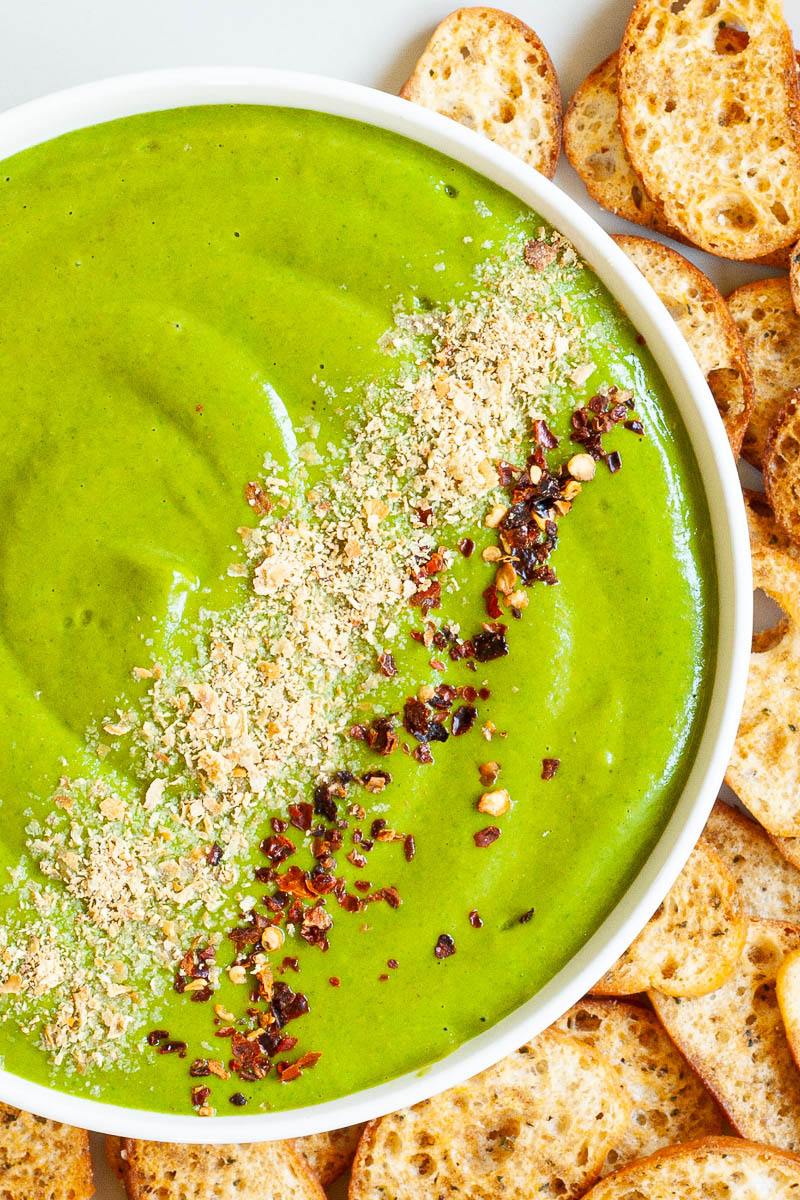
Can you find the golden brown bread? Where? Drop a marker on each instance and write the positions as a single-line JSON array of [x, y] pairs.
[[540, 1123], [782, 468], [489, 71], [764, 769], [703, 317], [765, 316], [734, 1038], [668, 1100], [722, 1168], [692, 942], [41, 1159], [730, 185]]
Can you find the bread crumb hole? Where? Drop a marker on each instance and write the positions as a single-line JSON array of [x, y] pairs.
[[506, 112], [678, 6], [670, 106], [779, 213], [602, 165], [731, 39], [465, 52], [424, 1164]]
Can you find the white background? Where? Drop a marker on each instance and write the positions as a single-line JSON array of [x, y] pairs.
[[50, 44]]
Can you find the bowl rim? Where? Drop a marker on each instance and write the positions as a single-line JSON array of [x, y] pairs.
[[89, 104]]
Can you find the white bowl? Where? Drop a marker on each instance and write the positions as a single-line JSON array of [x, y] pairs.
[[124, 96]]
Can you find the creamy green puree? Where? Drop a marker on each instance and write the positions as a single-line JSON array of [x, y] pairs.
[[187, 292]]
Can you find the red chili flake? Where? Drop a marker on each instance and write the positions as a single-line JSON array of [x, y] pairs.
[[199, 1068], [422, 753], [382, 978], [389, 894], [485, 837], [362, 885], [427, 598], [157, 1035], [505, 473], [290, 1071], [538, 254], [214, 854], [277, 848], [381, 737], [335, 981], [290, 964], [436, 664], [200, 1095], [445, 946], [549, 767], [484, 693], [635, 427], [237, 1099], [490, 644], [178, 1048], [466, 546], [544, 435], [300, 816], [425, 516], [464, 718], [434, 564], [492, 602], [377, 825], [279, 825], [257, 498], [392, 963], [526, 916], [358, 860], [475, 919], [386, 665], [614, 461], [409, 847]]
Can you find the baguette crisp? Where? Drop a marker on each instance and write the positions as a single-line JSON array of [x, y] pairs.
[[703, 317], [712, 130], [488, 70]]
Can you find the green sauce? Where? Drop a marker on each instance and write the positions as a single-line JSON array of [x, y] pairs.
[[177, 289]]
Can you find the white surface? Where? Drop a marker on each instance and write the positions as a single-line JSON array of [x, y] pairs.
[[48, 44]]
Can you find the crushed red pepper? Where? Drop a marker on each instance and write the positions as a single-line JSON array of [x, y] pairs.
[[445, 946], [549, 767], [485, 837]]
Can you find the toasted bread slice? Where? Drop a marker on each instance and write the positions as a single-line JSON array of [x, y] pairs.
[[788, 848], [330, 1154], [768, 884], [669, 1101], [764, 769], [735, 1040], [702, 316], [114, 1155], [770, 327], [489, 71], [782, 468], [718, 1166], [787, 989], [539, 1123], [41, 1159], [260, 1171], [730, 184], [692, 943], [594, 146]]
